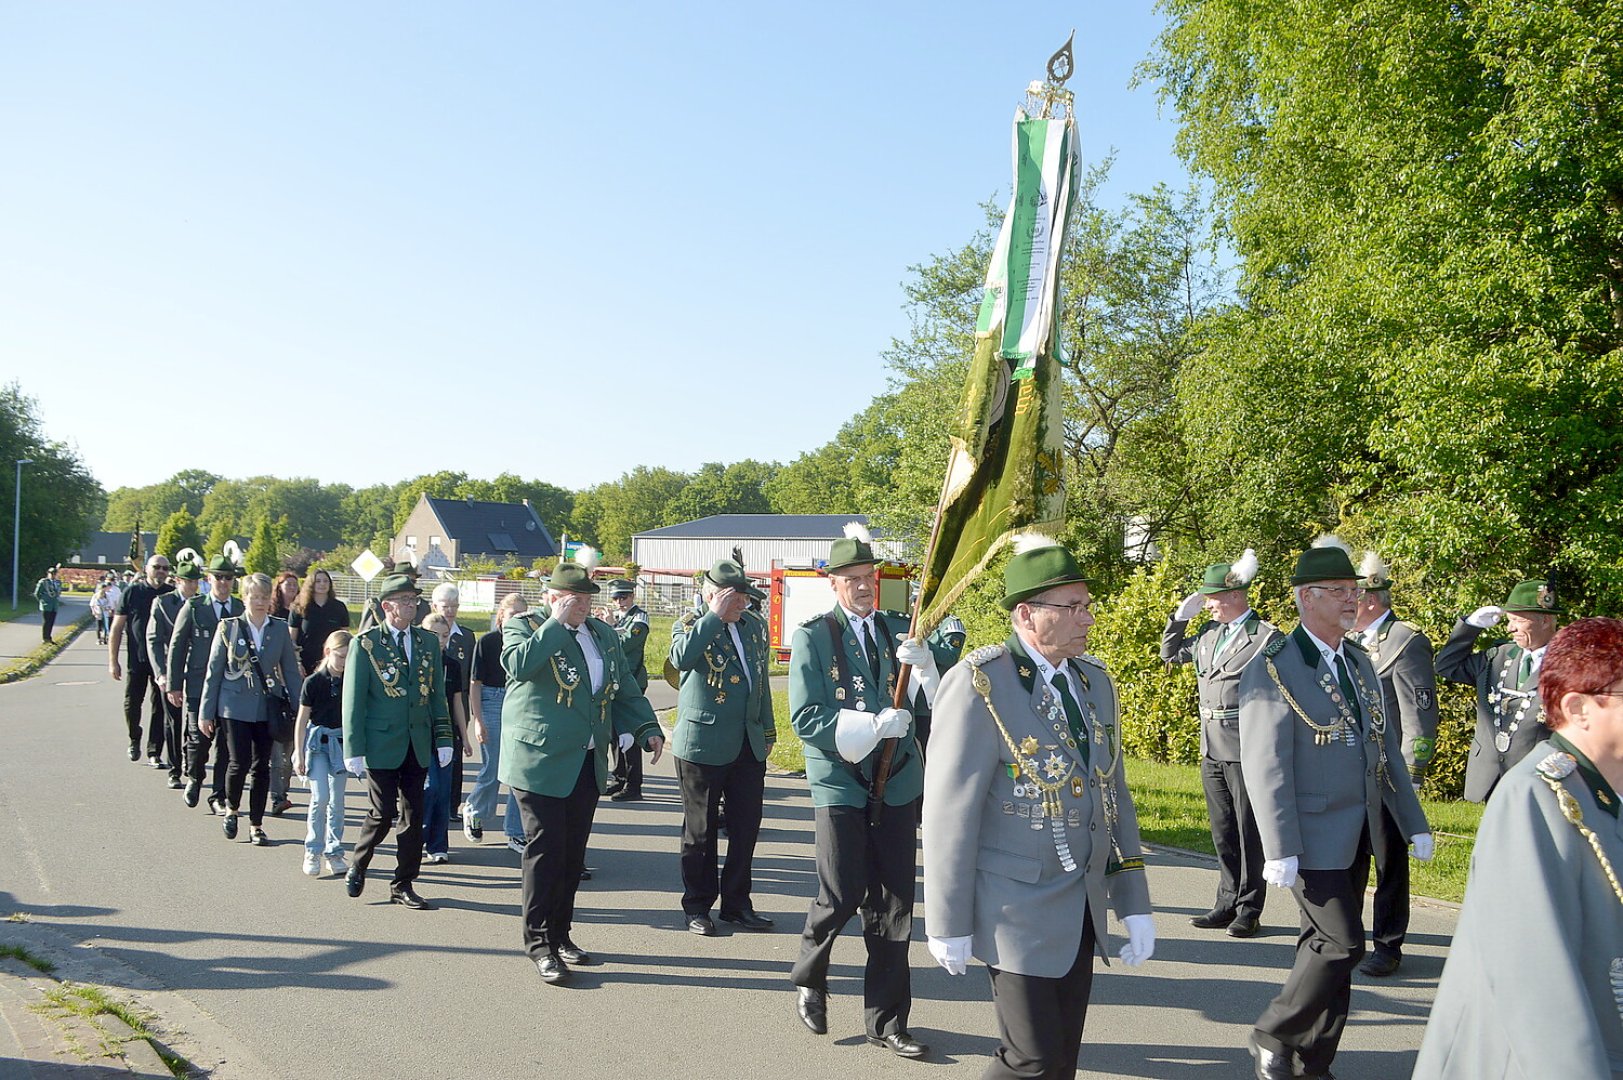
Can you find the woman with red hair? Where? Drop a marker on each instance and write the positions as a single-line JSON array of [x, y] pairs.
[[1533, 986]]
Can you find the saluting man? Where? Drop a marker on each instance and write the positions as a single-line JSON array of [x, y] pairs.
[[1401, 653], [396, 721], [1029, 828], [160, 631], [842, 680], [724, 731], [570, 696], [1320, 762], [1220, 651], [1509, 716], [630, 622], [188, 663]]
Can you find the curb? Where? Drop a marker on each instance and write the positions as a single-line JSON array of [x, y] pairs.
[[36, 660]]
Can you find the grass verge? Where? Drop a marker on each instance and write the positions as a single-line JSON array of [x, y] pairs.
[[45, 653], [91, 1002], [17, 952]]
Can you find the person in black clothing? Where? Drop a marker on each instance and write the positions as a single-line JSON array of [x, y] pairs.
[[134, 608], [315, 615]]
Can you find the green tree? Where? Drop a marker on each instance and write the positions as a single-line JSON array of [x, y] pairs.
[[609, 514], [155, 502], [179, 530], [60, 498], [723, 489], [264, 554], [367, 512], [214, 545]]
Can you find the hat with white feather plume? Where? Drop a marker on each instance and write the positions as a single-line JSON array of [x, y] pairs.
[[575, 575], [855, 548], [1329, 559], [1226, 577], [1373, 573], [1040, 563]]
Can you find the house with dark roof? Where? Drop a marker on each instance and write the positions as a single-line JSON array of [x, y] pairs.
[[765, 541], [446, 533], [110, 549]]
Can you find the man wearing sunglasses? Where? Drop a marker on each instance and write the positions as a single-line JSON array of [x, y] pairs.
[[134, 609]]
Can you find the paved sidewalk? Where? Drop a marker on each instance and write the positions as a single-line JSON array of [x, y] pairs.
[[238, 952], [21, 636]]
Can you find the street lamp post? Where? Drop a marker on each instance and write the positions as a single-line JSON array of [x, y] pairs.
[[17, 527]]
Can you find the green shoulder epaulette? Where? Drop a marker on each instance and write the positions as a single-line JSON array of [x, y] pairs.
[[1410, 625], [814, 620], [1275, 647], [985, 654], [1089, 658]]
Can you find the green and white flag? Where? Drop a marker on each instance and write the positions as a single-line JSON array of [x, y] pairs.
[[1005, 472]]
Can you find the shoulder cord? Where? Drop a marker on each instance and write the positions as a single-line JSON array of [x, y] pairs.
[[1322, 733], [1575, 816]]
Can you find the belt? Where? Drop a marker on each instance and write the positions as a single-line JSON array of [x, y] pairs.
[[1219, 714]]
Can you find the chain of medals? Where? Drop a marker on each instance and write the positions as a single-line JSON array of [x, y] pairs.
[[239, 662], [567, 676], [1561, 765], [1499, 697], [390, 673], [1343, 727]]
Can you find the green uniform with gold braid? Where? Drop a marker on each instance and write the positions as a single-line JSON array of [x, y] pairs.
[[632, 627], [395, 719], [558, 725]]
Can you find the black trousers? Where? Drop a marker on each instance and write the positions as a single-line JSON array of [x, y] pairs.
[[1240, 887], [872, 868], [174, 738], [1040, 1020], [138, 685], [743, 784], [627, 771], [1391, 920], [198, 746], [387, 790], [250, 752], [555, 835], [47, 624], [1311, 1010]]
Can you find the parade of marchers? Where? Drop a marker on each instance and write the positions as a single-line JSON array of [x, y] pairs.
[[995, 767]]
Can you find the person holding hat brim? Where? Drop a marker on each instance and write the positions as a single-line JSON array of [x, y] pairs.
[[1320, 762], [1030, 833], [48, 594], [570, 696], [187, 664], [842, 681], [724, 731], [1220, 651], [1509, 717], [630, 622], [160, 631], [396, 723], [1401, 653]]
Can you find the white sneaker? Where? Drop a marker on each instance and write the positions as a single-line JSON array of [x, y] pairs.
[[515, 844], [336, 866], [312, 864]]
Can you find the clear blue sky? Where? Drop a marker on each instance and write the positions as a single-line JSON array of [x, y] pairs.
[[556, 240]]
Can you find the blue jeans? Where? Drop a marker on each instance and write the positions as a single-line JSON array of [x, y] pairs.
[[437, 807], [324, 764], [482, 799]]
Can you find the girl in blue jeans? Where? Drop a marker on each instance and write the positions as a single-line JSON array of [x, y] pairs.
[[437, 805], [488, 690], [318, 753]]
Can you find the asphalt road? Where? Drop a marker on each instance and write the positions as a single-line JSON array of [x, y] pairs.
[[277, 975]]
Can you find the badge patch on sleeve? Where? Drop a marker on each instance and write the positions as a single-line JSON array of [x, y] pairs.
[[1425, 698]]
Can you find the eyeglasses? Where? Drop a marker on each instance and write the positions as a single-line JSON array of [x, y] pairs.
[[1076, 610], [1339, 592]]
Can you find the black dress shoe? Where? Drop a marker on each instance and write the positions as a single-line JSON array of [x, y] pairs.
[[156, 762], [747, 920], [701, 925], [354, 882], [230, 826], [570, 953], [626, 795], [176, 785], [614, 788], [194, 788], [1243, 926], [586, 873], [135, 751], [1212, 920], [1380, 964], [901, 1044], [405, 895], [812, 1005], [1270, 1065], [552, 969]]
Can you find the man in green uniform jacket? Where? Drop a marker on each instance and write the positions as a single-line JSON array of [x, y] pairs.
[[395, 722], [631, 623], [570, 696], [724, 731], [48, 593]]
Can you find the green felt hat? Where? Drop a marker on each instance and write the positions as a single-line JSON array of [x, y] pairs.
[[398, 585], [1036, 570], [1327, 563], [855, 548], [622, 587], [221, 564], [187, 570], [570, 576], [1534, 598], [727, 574]]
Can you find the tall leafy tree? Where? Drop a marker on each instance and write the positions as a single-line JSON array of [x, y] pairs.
[[60, 499], [179, 530]]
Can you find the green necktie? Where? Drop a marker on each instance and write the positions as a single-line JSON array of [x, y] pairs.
[[1073, 713], [1525, 670], [1223, 640], [1347, 688]]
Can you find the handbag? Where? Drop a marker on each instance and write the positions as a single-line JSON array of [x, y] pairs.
[[278, 709]]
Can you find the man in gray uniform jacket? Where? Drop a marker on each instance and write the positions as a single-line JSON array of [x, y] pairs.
[[1320, 762], [1509, 720], [1029, 828], [1401, 653], [1220, 650]]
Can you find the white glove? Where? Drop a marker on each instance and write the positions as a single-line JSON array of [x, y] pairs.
[[1484, 617], [355, 766], [855, 735], [444, 753], [1281, 872], [925, 676], [951, 953], [626, 741], [1140, 940], [1190, 607], [892, 723], [1423, 846]]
